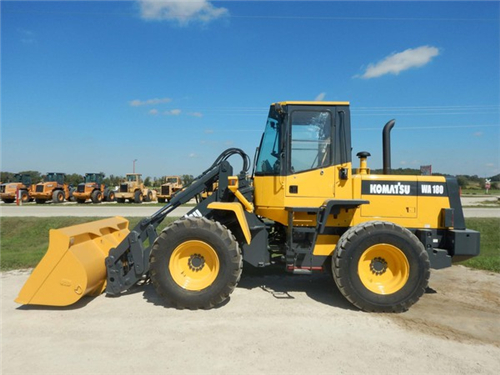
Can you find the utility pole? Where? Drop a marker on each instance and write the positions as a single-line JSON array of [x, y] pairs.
[[133, 167]]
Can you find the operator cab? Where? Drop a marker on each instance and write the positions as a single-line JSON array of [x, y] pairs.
[[304, 136], [305, 155]]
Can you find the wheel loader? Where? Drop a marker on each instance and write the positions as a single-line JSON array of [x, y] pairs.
[[304, 207], [52, 188], [21, 185], [133, 189], [93, 188], [171, 186]]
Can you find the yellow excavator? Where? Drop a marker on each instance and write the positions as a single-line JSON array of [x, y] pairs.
[[302, 206]]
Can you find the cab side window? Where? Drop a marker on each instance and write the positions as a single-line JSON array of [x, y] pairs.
[[310, 140]]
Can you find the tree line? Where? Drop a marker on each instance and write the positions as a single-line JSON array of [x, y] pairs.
[[74, 178], [464, 181]]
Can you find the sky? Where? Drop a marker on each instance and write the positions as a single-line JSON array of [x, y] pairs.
[[93, 86]]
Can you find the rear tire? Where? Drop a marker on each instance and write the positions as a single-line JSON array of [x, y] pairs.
[[195, 263], [96, 196], [25, 198], [8, 200], [111, 196], [380, 267], [40, 201], [120, 200], [81, 201], [161, 200], [138, 197]]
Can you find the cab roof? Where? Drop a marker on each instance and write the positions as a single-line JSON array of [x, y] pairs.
[[311, 103]]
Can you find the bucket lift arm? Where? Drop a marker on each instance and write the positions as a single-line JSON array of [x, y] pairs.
[[128, 263]]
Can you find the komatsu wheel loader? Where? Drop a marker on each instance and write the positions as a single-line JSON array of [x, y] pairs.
[[303, 206]]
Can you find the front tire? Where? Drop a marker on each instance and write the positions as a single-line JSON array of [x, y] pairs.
[[380, 267], [58, 196], [138, 197], [195, 263], [96, 196]]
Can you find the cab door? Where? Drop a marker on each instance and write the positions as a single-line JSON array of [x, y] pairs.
[[310, 154]]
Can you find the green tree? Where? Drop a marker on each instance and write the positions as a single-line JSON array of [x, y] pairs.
[[187, 179], [147, 181], [74, 179]]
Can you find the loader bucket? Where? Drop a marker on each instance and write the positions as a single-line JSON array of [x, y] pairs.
[[74, 265]]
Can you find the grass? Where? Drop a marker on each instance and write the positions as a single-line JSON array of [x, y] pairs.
[[24, 241], [468, 191], [489, 257]]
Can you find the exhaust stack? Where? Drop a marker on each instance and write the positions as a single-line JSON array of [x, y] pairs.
[[386, 145]]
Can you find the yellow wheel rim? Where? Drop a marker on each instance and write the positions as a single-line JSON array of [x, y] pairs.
[[383, 269], [194, 265]]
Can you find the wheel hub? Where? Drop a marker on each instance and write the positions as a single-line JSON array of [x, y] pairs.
[[378, 266], [196, 262]]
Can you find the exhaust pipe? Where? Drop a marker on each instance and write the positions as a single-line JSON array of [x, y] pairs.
[[386, 145]]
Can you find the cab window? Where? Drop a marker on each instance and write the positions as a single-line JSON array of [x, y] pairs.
[[310, 140]]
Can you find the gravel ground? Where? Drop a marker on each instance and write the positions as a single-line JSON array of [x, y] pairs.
[[273, 323]]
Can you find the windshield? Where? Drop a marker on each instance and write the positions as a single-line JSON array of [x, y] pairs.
[[131, 177], [268, 160], [55, 177], [172, 180], [92, 177]]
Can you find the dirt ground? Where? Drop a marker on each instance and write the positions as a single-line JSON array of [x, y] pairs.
[[273, 323]]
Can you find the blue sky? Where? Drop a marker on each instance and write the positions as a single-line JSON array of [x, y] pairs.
[[92, 86]]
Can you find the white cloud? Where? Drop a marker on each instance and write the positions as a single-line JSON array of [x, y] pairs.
[[192, 155], [400, 61], [478, 134], [173, 112], [196, 114], [153, 112], [209, 131], [320, 97], [138, 103], [183, 11], [27, 36]]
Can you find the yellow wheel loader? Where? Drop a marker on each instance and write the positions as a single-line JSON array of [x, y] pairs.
[[133, 189], [171, 186], [303, 207], [93, 188], [52, 188], [21, 185]]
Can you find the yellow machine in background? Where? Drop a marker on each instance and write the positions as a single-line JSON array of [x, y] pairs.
[[133, 189], [94, 189], [21, 185], [303, 206], [52, 188], [171, 186]]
